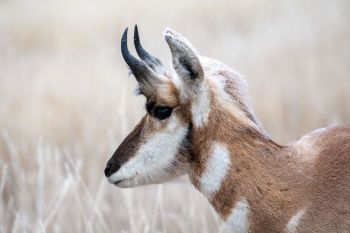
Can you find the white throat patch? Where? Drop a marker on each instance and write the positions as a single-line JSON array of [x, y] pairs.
[[238, 220], [217, 167]]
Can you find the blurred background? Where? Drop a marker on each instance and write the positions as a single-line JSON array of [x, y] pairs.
[[66, 100]]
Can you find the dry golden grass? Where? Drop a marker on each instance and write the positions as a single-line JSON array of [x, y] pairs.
[[66, 100]]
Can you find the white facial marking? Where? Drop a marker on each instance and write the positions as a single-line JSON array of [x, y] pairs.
[[238, 220], [217, 167], [201, 101], [201, 106], [294, 221], [184, 92], [150, 163]]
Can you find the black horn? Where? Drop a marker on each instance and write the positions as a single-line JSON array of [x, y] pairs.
[[150, 60], [138, 68]]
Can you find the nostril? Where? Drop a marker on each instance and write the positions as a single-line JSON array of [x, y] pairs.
[[111, 168], [107, 170]]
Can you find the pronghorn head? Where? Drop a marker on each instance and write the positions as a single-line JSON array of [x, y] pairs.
[[159, 146]]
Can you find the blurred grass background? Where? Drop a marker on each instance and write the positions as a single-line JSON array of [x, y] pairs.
[[66, 100]]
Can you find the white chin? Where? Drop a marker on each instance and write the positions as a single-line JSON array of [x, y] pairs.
[[125, 184]]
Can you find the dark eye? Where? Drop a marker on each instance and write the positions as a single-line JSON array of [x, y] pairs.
[[162, 112]]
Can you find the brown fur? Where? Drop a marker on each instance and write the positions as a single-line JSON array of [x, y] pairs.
[[275, 180], [312, 174]]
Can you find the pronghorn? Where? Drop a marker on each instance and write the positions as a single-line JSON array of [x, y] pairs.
[[198, 123]]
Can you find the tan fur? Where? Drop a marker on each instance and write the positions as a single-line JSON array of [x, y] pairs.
[[311, 175]]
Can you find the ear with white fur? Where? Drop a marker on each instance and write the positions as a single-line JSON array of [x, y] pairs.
[[185, 58]]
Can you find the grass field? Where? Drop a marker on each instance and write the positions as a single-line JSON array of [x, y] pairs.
[[66, 100]]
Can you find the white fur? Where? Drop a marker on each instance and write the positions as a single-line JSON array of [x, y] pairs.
[[184, 92], [201, 106], [308, 151], [212, 70], [217, 167], [294, 221], [150, 163], [201, 101], [223, 97], [313, 134], [178, 38], [238, 220]]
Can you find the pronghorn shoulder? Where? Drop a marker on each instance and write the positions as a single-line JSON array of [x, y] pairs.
[[310, 145]]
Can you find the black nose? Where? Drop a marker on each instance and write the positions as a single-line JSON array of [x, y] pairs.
[[111, 168], [107, 171]]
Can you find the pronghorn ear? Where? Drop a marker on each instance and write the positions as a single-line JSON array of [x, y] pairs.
[[185, 58]]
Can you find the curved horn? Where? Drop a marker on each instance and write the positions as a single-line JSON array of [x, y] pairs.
[[138, 68], [150, 60]]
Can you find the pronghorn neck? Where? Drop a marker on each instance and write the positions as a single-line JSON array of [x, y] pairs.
[[198, 122], [235, 166]]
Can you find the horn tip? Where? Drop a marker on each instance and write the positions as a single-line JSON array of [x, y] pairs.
[[136, 34], [125, 34]]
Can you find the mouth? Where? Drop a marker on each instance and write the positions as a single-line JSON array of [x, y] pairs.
[[123, 183], [117, 182]]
